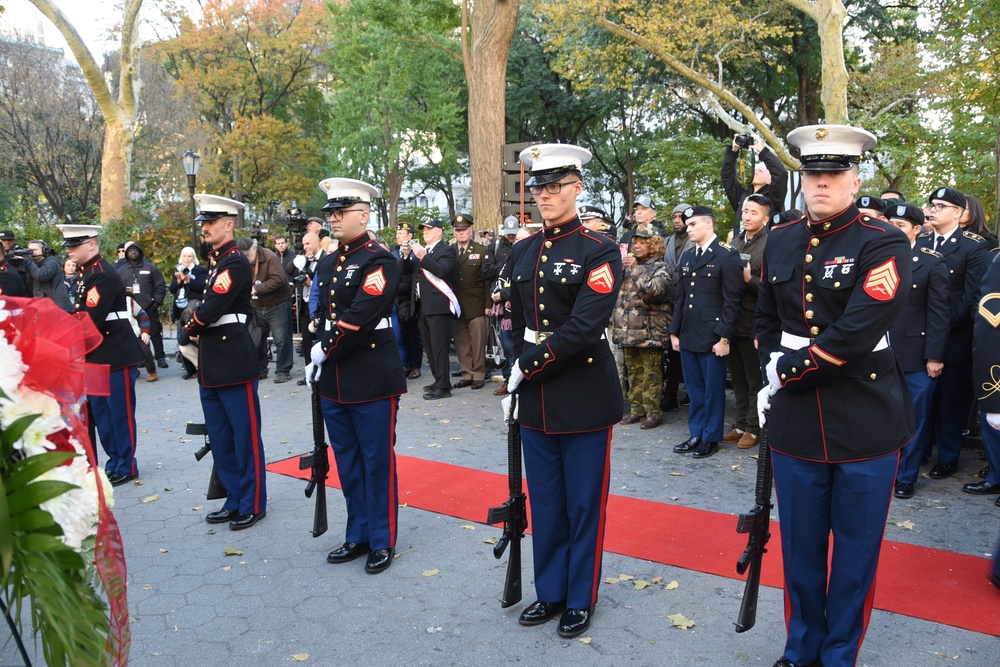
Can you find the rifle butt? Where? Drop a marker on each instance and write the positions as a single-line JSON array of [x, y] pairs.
[[319, 516], [512, 584], [748, 607]]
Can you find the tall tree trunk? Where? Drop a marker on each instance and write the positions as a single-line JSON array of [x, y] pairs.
[[485, 60], [829, 16], [996, 199], [119, 115]]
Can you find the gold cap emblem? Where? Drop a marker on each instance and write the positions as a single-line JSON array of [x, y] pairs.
[[821, 134], [536, 152]]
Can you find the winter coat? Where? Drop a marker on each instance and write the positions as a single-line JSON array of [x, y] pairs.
[[645, 305]]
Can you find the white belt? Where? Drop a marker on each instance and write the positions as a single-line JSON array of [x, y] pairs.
[[384, 323], [120, 315], [231, 318], [793, 342], [536, 337]]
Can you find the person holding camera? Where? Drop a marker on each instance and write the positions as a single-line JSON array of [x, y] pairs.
[[10, 282], [770, 178], [15, 259], [46, 276], [148, 289], [188, 288]]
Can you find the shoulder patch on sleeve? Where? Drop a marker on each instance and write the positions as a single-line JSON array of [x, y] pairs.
[[602, 279], [222, 283], [989, 309], [375, 282], [882, 281], [93, 297], [931, 252], [975, 237]]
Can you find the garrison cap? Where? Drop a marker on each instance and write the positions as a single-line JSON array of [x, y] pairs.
[[345, 192], [830, 147], [74, 235], [462, 221], [213, 207], [433, 222], [404, 227], [550, 162], [949, 196], [908, 212]]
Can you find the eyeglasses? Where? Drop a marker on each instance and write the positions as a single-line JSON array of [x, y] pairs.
[[551, 188], [337, 214], [934, 208]]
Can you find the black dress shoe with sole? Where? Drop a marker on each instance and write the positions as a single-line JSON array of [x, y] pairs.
[[785, 662], [462, 384], [687, 446], [981, 488], [478, 384], [705, 449], [574, 622], [435, 394], [348, 552], [119, 478], [540, 612], [243, 521], [903, 490], [456, 374], [379, 561], [222, 516], [942, 470]]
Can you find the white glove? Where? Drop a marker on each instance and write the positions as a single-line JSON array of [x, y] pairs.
[[993, 419], [317, 355], [763, 403], [309, 374], [299, 262], [505, 406], [515, 377], [313, 326], [772, 372]]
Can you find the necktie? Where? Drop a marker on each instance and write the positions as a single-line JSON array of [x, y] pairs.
[[698, 253], [938, 242]]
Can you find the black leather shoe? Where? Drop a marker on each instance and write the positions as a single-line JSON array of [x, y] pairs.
[[942, 470], [687, 446], [995, 578], [462, 384], [785, 662], [669, 405], [241, 521], [478, 384], [456, 374], [119, 478], [540, 612], [574, 622], [348, 552], [981, 488], [435, 394], [301, 382], [162, 363], [705, 449], [686, 400], [903, 490], [379, 561], [222, 516]]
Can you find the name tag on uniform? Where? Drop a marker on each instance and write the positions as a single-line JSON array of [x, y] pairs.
[[144, 273]]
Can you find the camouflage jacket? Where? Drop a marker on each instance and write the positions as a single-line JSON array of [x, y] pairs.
[[644, 306]]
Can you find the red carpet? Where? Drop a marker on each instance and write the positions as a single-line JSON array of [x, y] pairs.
[[707, 542]]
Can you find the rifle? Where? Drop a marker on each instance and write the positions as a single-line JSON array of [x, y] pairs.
[[318, 461], [757, 523], [215, 488], [512, 514]]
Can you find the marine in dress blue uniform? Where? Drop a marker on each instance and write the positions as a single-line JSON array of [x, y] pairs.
[[564, 285], [919, 336], [707, 304], [986, 374], [360, 375], [228, 370], [965, 255], [101, 294], [832, 284]]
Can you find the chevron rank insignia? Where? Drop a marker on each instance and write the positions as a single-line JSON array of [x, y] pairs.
[[375, 282], [93, 297], [989, 309], [222, 283], [882, 281], [601, 279]]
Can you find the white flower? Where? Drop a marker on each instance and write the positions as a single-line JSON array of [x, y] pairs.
[[12, 368], [27, 402], [76, 511]]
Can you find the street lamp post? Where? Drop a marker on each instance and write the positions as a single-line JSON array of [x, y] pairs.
[[191, 162]]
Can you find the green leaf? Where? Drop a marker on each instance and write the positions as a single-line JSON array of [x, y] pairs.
[[13, 433], [33, 495], [30, 520], [6, 535], [25, 470], [40, 542]]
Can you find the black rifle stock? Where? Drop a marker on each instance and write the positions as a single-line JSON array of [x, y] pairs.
[[215, 488], [512, 514], [320, 464], [756, 523]]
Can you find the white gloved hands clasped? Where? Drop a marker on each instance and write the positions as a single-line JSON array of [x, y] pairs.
[[505, 406], [772, 372], [309, 374], [516, 376], [317, 355]]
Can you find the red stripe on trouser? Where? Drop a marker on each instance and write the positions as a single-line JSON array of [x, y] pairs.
[[255, 442], [130, 416], [599, 545], [393, 490]]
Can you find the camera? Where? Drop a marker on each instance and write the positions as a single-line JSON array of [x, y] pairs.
[[20, 252], [295, 220], [180, 268], [744, 140]]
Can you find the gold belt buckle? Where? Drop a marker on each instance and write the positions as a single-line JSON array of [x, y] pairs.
[[542, 335]]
